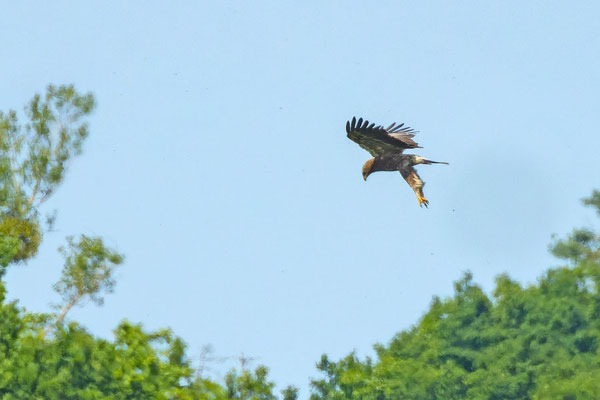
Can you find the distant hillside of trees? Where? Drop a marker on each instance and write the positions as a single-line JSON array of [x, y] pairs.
[[536, 342]]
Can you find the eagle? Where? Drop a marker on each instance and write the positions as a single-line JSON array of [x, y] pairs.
[[387, 145]]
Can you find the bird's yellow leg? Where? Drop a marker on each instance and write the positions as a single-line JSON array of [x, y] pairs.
[[420, 196]]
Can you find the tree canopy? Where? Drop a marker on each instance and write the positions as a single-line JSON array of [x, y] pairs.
[[536, 342], [72, 363]]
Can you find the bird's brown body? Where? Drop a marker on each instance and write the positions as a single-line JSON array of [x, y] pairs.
[[391, 162], [386, 145]]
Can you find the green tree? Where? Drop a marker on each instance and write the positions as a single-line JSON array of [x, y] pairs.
[[72, 363], [289, 393], [249, 385], [34, 156], [88, 271], [75, 365], [538, 342]]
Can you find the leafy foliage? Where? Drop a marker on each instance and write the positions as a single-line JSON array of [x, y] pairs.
[[290, 393], [36, 154], [33, 160], [538, 342], [25, 233], [87, 272], [594, 201], [71, 363], [88, 269], [76, 365], [249, 385]]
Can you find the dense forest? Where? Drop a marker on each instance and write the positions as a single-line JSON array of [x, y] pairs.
[[535, 342]]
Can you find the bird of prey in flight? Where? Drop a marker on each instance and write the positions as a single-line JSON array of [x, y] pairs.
[[386, 145]]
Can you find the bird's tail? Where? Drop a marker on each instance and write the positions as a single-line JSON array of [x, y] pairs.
[[426, 161]]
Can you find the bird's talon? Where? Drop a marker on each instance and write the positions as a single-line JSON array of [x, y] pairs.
[[423, 202]]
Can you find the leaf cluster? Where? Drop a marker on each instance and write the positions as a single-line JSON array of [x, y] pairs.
[[88, 269], [254, 385]]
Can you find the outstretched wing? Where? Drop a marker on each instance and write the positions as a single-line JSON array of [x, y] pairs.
[[414, 181], [378, 140]]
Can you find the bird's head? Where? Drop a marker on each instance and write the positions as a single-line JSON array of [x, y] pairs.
[[367, 168]]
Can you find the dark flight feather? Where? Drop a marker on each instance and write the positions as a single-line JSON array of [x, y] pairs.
[[378, 140]]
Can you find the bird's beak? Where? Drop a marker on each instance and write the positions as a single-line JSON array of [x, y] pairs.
[[365, 176]]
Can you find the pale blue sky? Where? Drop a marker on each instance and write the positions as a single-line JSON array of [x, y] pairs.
[[218, 161]]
